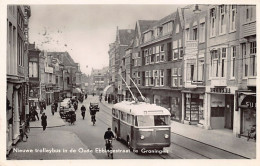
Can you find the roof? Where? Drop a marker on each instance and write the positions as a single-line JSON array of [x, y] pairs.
[[66, 60], [165, 19], [146, 24], [141, 108], [125, 36]]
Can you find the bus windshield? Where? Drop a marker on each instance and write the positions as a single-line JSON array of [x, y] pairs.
[[153, 120]]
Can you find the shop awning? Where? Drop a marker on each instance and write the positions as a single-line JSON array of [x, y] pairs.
[[248, 100], [108, 90], [76, 90]]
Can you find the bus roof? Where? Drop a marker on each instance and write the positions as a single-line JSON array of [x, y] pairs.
[[141, 108]]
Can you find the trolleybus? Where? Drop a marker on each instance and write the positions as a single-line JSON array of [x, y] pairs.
[[141, 125]]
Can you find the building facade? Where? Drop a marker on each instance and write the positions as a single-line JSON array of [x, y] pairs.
[[17, 109]]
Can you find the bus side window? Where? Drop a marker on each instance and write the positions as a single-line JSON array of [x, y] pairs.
[[136, 123], [129, 119], [116, 113], [132, 118], [113, 111]]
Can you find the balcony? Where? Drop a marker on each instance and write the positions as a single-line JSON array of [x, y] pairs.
[[191, 46], [249, 29], [251, 81]]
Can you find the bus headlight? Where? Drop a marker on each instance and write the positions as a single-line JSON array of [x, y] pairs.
[[142, 137], [166, 136]]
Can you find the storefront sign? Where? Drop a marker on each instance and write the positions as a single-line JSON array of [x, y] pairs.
[[220, 90]]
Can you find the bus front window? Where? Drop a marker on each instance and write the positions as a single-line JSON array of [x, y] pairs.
[[147, 120], [161, 120], [153, 120]]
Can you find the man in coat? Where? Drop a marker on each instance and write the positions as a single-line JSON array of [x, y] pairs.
[[44, 121]]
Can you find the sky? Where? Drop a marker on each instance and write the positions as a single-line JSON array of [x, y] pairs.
[[85, 31]]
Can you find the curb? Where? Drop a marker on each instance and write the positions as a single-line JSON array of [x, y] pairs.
[[48, 126]]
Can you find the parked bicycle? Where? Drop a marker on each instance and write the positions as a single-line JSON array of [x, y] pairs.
[[252, 133]]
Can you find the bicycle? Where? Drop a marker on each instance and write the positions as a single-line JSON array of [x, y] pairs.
[[93, 119], [251, 133], [23, 135], [109, 148]]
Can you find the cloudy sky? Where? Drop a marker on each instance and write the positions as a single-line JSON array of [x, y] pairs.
[[85, 31]]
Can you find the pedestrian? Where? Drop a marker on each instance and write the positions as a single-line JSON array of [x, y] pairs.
[[53, 109], [56, 105], [35, 113], [83, 110], [44, 121]]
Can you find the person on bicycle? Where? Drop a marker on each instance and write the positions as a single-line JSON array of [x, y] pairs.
[[93, 114], [108, 136], [83, 110]]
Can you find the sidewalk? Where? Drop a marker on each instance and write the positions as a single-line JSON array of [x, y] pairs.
[[50, 145], [52, 120], [218, 138]]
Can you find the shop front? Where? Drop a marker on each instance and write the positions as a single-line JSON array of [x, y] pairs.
[[221, 107], [247, 106], [171, 100], [194, 106]]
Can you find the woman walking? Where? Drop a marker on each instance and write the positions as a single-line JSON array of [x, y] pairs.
[[44, 121]]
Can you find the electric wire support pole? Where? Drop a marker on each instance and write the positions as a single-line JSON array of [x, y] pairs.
[[137, 89], [135, 99]]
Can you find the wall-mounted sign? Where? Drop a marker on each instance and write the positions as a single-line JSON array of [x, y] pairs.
[[220, 90]]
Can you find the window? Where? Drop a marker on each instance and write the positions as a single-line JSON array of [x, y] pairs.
[[212, 22], [150, 51], [187, 34], [202, 33], [195, 33], [177, 28], [33, 69], [162, 57], [222, 24], [214, 63], [162, 48], [157, 58], [180, 81], [252, 59], [200, 69], [232, 18], [129, 119], [192, 72], [223, 62], [152, 58], [167, 28], [123, 116], [174, 81], [138, 74], [175, 72], [161, 77], [175, 54], [250, 13], [151, 78], [156, 77], [245, 60], [157, 49], [146, 78], [181, 53], [233, 61], [179, 71]]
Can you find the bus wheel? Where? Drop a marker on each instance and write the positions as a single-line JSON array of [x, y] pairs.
[[129, 143]]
